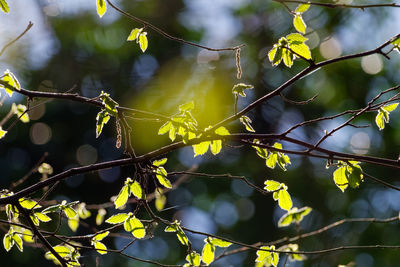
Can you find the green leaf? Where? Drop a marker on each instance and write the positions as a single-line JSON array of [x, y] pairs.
[[161, 175], [193, 259], [110, 104], [222, 131], [2, 133], [82, 211], [271, 160], [45, 168], [50, 209], [201, 148], [187, 106], [220, 243], [247, 123], [271, 185], [100, 216], [161, 199], [70, 212], [8, 242], [379, 120], [101, 7], [294, 215], [287, 57], [134, 34], [122, 197], [101, 236], [135, 226], [302, 8], [172, 228], [28, 203], [27, 236], [239, 89], [339, 176], [20, 111], [18, 241], [143, 43], [166, 127], [182, 237], [396, 44], [275, 55], [354, 175], [216, 146], [100, 248], [284, 201], [208, 253], [42, 217], [102, 118], [117, 218], [267, 257], [4, 6], [160, 162], [73, 223], [299, 24], [296, 38], [10, 79], [137, 190]]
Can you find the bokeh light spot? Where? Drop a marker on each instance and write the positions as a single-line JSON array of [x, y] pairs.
[[330, 48], [86, 154], [372, 64], [40, 133]]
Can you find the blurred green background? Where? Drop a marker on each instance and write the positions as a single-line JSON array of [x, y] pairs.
[[70, 45]]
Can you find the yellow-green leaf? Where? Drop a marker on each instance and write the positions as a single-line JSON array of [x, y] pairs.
[[135, 226], [165, 128], [137, 190], [182, 237], [160, 162], [247, 123], [216, 146], [239, 89], [161, 199], [101, 119], [208, 253], [301, 49], [100, 248], [18, 241], [193, 258], [2, 133], [101, 236], [222, 131], [100, 216], [4, 6], [302, 8], [122, 197], [220, 243], [28, 203], [101, 7], [287, 57], [379, 120], [27, 236], [271, 185], [8, 242], [134, 34], [42, 217], [339, 176], [299, 24], [73, 223], [143, 41], [284, 201], [20, 111], [161, 175], [70, 212], [117, 218], [11, 80], [187, 106], [201, 148]]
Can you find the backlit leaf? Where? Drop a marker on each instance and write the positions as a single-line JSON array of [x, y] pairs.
[[4, 6], [100, 248], [42, 217], [117, 218], [102, 118], [220, 243], [201, 148], [247, 123], [70, 212], [165, 128], [135, 226], [391, 107], [2, 133], [134, 34], [239, 89], [18, 241], [222, 131], [161, 175], [208, 253], [302, 8], [299, 24], [271, 185], [339, 176], [122, 197], [100, 236], [10, 79], [73, 223], [193, 258], [143, 43], [137, 190], [187, 106], [101, 7], [379, 120], [28, 203], [287, 57], [160, 162], [20, 111], [284, 201], [161, 199], [216, 146]]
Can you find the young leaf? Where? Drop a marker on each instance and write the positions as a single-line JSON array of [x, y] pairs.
[[45, 168], [161, 199], [288, 57], [102, 118], [267, 257], [100, 216], [216, 146], [247, 123], [302, 8], [134, 34], [284, 201], [135, 226], [18, 241], [339, 176], [117, 218], [2, 133], [101, 236], [100, 248], [299, 24], [143, 41], [396, 44], [8, 242], [137, 190], [275, 55], [70, 212], [4, 6], [294, 215], [187, 106], [271, 185], [220, 243], [208, 253], [101, 7], [161, 175], [73, 223], [122, 197], [222, 131], [201, 148], [166, 127], [239, 89], [160, 162], [27, 236], [42, 217], [28, 203], [383, 115], [193, 259], [10, 79], [20, 111]]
